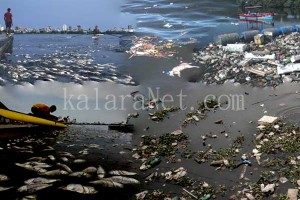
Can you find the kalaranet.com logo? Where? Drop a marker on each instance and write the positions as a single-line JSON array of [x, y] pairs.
[[83, 102]]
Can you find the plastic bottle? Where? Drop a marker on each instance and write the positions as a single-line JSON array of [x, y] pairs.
[[205, 197], [155, 162]]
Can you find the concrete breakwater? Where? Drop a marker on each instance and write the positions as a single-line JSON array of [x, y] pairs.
[[5, 44], [272, 3]]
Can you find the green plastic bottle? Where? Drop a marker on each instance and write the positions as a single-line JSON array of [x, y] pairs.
[[155, 162], [205, 197]]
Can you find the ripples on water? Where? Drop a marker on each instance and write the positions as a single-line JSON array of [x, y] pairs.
[[202, 20]]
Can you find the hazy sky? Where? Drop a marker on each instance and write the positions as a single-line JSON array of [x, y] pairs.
[[87, 13]]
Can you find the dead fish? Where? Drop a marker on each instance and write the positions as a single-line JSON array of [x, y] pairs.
[[33, 188], [100, 172], [64, 159], [56, 172], [39, 170], [36, 159], [51, 157], [79, 161], [31, 197], [3, 177], [121, 173], [80, 174], [48, 148], [67, 154], [124, 180], [39, 180], [80, 189], [90, 170], [31, 168], [107, 182], [40, 164], [65, 167], [5, 188], [24, 165]]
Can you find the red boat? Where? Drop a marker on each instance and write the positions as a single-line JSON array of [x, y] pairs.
[[257, 16]]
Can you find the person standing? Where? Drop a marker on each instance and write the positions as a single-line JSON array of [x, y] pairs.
[[8, 21], [96, 31]]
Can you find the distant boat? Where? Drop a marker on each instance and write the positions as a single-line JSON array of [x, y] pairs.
[[257, 16], [254, 14]]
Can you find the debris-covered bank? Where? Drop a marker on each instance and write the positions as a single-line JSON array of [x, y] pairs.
[[267, 64], [260, 166]]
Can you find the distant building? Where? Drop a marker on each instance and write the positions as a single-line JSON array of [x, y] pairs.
[[79, 28], [65, 27]]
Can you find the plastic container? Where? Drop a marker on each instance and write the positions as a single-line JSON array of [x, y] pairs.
[[286, 29], [230, 38], [271, 32], [248, 36]]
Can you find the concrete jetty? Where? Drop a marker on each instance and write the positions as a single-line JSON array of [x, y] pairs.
[[5, 44]]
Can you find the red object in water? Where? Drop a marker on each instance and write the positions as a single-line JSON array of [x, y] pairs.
[[257, 16]]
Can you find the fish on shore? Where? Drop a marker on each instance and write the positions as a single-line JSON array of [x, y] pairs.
[[108, 182], [79, 161], [56, 172], [65, 167], [31, 168], [124, 180], [2, 189], [51, 157], [90, 170], [122, 173], [80, 174], [100, 172], [80, 189], [39, 180], [3, 177], [33, 188]]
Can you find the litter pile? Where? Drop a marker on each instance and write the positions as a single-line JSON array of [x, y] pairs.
[[274, 160], [254, 63], [151, 46]]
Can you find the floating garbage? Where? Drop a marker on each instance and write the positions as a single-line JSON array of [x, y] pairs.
[[151, 46], [267, 120], [177, 70]]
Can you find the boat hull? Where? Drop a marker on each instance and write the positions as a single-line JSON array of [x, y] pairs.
[[17, 116], [266, 17]]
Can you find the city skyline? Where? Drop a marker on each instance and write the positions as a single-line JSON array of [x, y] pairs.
[[55, 13]]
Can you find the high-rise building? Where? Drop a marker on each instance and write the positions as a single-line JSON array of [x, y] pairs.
[[65, 27]]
